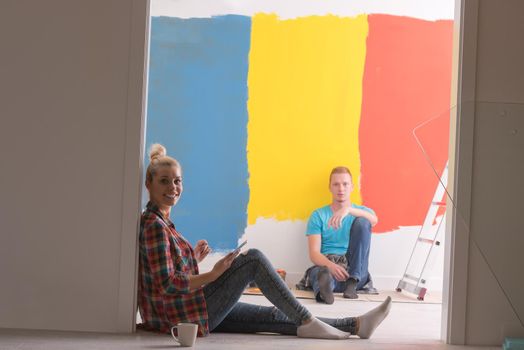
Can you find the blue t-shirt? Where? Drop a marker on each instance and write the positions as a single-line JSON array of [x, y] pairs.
[[333, 241]]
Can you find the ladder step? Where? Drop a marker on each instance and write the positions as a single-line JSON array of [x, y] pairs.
[[413, 278], [419, 291], [428, 240], [407, 287]]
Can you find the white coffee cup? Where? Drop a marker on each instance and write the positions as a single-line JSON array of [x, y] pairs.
[[187, 333]]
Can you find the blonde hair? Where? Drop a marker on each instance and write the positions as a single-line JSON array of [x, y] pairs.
[[158, 158], [340, 170]]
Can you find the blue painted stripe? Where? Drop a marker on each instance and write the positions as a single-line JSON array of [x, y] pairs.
[[197, 108]]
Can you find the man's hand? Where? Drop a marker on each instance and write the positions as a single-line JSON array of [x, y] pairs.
[[336, 219], [317, 258], [201, 250], [338, 272]]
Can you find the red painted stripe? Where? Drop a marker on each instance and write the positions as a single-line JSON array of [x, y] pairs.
[[407, 80]]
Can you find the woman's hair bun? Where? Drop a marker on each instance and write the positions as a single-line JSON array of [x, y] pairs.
[[157, 151]]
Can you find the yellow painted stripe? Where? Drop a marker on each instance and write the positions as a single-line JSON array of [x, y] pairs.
[[305, 95]]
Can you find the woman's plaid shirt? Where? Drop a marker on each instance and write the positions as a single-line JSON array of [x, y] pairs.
[[166, 260]]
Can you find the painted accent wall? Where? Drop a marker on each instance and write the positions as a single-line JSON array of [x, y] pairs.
[[259, 108]]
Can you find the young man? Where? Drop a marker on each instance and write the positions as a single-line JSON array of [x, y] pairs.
[[339, 237]]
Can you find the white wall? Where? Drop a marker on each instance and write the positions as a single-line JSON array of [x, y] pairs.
[[71, 79], [284, 242], [427, 9], [490, 167]]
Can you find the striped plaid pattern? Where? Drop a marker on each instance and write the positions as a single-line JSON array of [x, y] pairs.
[[165, 261]]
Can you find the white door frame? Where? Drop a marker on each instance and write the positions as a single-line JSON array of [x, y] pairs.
[[453, 330], [139, 29]]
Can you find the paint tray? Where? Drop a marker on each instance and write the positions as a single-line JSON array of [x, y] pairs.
[[513, 344]]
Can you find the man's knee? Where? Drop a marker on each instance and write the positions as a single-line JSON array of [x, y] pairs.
[[360, 232], [361, 224]]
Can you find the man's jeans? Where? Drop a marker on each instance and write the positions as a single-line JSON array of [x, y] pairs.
[[226, 314], [357, 256]]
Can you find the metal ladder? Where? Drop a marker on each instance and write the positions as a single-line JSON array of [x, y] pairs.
[[413, 278]]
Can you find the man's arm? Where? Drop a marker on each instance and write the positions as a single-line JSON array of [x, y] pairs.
[[336, 220], [356, 212], [314, 242]]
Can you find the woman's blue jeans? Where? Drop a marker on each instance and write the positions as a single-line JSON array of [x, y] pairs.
[[357, 256], [227, 314]]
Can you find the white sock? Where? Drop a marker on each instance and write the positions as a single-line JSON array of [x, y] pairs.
[[371, 319], [320, 330]]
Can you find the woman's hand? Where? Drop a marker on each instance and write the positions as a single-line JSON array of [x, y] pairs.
[[201, 250], [223, 264]]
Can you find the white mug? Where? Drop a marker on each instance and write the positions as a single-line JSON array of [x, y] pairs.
[[187, 333]]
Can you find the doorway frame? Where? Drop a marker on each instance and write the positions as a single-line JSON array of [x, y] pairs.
[[456, 247], [133, 165], [462, 124]]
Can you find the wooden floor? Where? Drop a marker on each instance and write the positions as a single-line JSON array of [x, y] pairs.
[[409, 326]]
